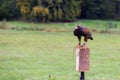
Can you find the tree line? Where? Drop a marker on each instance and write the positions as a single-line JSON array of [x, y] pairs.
[[59, 10]]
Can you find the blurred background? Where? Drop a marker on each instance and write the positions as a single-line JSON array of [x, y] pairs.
[[37, 41], [59, 10]]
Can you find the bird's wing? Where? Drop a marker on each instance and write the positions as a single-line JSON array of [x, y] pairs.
[[86, 31]]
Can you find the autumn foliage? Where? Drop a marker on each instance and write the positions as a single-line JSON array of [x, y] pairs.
[[59, 10]]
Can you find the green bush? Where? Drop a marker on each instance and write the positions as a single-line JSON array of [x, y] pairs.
[[9, 10]]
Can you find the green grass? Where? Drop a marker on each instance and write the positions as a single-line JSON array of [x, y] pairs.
[[88, 23], [34, 55]]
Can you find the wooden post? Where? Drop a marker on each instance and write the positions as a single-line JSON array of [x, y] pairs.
[[82, 59]]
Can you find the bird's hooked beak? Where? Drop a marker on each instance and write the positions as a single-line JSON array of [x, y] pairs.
[[90, 37]]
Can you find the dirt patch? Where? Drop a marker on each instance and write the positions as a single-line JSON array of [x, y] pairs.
[[104, 31], [38, 29]]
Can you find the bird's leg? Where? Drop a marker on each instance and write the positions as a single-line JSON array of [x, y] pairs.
[[79, 39], [85, 39]]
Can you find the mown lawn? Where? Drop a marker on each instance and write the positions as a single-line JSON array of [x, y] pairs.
[[34, 55]]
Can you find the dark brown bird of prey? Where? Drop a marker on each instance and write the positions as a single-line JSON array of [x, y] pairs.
[[82, 31]]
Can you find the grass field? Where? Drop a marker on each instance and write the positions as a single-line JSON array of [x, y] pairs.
[[34, 55], [93, 24]]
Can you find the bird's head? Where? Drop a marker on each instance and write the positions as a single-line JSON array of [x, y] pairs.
[[89, 37]]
